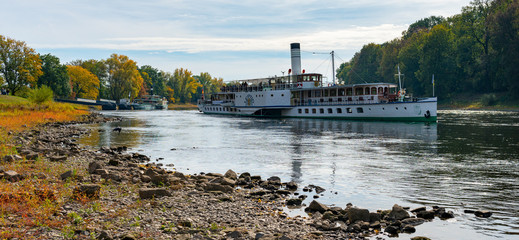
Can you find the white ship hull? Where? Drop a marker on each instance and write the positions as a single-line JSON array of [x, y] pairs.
[[423, 110]]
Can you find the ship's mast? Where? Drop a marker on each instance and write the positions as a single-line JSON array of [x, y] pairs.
[[399, 80], [333, 66]]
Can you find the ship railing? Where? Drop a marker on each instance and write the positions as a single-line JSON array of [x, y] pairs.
[[328, 102]]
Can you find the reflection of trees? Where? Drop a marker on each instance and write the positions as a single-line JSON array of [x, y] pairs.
[[103, 136]]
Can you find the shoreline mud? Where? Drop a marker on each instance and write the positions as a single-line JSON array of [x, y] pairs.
[[116, 194]]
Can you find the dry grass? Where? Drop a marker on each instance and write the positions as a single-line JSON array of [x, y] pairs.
[[33, 202]]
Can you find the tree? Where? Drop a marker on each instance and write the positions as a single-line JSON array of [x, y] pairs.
[[366, 64], [124, 79], [425, 24], [156, 83], [20, 65], [98, 68], [84, 83], [54, 75], [183, 84], [504, 28]]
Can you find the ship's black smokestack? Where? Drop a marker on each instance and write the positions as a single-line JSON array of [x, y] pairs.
[[295, 53]]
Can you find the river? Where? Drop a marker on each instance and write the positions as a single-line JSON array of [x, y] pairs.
[[468, 160]]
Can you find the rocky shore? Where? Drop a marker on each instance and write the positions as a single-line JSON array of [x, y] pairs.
[[116, 194]]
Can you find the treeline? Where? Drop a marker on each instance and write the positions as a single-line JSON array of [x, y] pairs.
[[476, 51], [117, 77]]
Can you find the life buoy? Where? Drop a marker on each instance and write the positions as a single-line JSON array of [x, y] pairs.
[[299, 85], [427, 114], [316, 84]]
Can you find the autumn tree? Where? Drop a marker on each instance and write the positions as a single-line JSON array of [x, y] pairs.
[[124, 79], [154, 81], [54, 75], [183, 84], [84, 83], [20, 65], [98, 68]]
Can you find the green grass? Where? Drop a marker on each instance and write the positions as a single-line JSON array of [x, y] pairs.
[[6, 99]]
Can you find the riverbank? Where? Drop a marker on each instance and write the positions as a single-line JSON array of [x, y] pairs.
[[56, 189], [490, 102], [182, 106]]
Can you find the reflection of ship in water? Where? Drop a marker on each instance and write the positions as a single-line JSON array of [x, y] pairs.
[[302, 129], [394, 130]]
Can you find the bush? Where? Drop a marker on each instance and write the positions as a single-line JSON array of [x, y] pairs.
[[489, 99], [41, 95]]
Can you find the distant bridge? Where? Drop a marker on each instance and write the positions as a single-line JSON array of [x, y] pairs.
[[104, 103]]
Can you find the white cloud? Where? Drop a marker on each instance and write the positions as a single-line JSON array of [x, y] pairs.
[[350, 38]]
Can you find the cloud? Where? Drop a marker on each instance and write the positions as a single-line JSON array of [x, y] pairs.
[[349, 38]]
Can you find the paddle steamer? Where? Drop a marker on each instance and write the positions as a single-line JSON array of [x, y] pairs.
[[304, 95]]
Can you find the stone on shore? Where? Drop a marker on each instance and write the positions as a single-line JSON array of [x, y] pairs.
[[210, 187], [93, 166], [87, 190], [58, 158], [231, 175], [12, 176], [317, 207], [398, 213], [358, 214], [147, 193]]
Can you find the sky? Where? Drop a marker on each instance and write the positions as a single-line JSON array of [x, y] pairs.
[[229, 39]]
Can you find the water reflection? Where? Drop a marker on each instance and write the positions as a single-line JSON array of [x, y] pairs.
[[102, 134], [469, 160]]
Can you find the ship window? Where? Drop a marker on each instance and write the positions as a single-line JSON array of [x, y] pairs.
[[314, 111], [349, 92], [360, 110], [282, 95], [339, 110], [383, 108], [272, 95], [348, 110], [300, 111], [341, 92], [366, 91], [333, 92], [321, 110], [373, 91], [396, 108], [359, 91], [330, 110], [405, 108], [326, 93], [306, 110]]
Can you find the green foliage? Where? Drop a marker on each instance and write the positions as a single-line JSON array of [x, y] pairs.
[[489, 99], [41, 95], [476, 51], [54, 75], [20, 65], [75, 218]]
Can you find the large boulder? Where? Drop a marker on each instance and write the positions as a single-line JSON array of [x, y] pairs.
[[93, 166], [317, 207], [398, 213], [356, 214], [146, 193], [231, 175]]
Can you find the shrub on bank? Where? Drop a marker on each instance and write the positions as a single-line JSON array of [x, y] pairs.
[[489, 99], [41, 95]]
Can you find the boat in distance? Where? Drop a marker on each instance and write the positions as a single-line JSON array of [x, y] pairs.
[[304, 95]]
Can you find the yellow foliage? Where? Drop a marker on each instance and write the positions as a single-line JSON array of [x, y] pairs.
[[123, 77], [84, 83], [20, 64]]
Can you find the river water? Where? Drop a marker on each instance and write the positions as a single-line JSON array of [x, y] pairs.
[[468, 160]]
